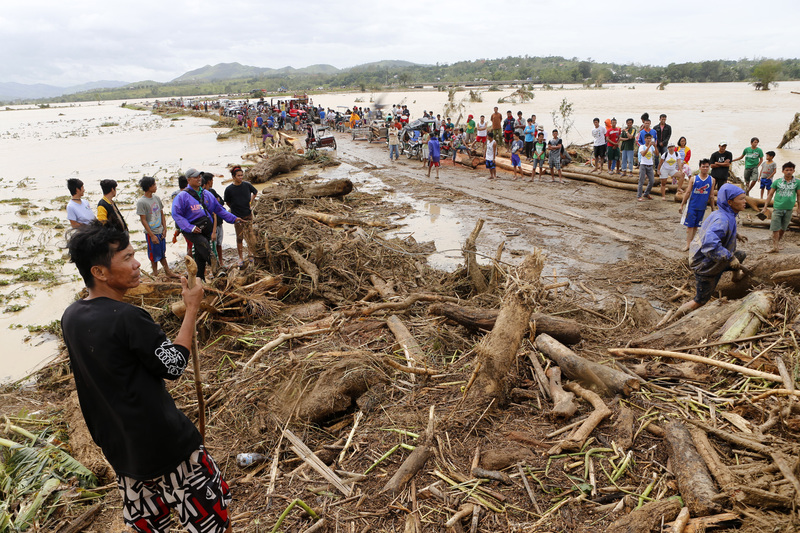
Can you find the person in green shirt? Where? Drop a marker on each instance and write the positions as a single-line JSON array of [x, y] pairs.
[[785, 193], [470, 130], [538, 156], [753, 157]]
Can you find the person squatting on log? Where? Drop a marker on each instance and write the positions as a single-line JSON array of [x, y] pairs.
[[193, 210], [239, 195], [120, 358], [785, 192], [713, 250]]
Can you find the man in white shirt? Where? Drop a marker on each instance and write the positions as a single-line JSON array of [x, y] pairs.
[[599, 145]]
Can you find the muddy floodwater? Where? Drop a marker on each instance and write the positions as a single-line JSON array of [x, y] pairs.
[[42, 148]]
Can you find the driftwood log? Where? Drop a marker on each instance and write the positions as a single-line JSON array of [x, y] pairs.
[[266, 169], [476, 318], [325, 189], [576, 367], [692, 328], [694, 480], [647, 518], [564, 405], [497, 351], [470, 250], [768, 269], [416, 460]]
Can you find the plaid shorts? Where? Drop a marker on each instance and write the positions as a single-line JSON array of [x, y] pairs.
[[195, 489]]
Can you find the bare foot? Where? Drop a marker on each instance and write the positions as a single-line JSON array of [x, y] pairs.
[[171, 274], [686, 248], [772, 250]]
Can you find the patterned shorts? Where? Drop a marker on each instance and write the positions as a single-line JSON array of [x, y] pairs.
[[195, 489]]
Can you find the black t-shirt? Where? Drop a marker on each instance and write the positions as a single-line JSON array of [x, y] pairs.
[[120, 358], [238, 198], [720, 172]]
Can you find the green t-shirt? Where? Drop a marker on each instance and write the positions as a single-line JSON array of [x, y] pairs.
[[785, 193], [752, 157], [628, 145], [470, 126], [540, 150]]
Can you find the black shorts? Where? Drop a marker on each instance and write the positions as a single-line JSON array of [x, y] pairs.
[[600, 151]]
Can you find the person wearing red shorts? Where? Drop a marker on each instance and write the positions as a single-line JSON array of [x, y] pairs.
[[120, 358], [434, 154]]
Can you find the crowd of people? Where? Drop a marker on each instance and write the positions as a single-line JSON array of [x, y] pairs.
[[198, 212]]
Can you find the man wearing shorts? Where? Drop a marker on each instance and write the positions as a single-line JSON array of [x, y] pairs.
[[721, 164], [598, 145], [481, 128], [753, 157], [151, 213], [554, 147], [497, 124], [508, 129], [695, 200], [491, 155], [785, 192], [538, 156], [434, 153], [120, 358], [239, 195], [516, 148], [612, 146]]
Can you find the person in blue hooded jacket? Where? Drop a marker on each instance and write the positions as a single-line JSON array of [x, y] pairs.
[[193, 210], [713, 250]]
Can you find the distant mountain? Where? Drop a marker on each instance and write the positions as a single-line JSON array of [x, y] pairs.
[[20, 91], [227, 71]]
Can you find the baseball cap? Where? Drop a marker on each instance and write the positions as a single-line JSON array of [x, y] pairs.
[[191, 173], [723, 143]]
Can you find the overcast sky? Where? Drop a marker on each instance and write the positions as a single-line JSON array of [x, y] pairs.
[[68, 43]]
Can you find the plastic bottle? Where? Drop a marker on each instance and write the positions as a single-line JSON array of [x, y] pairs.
[[250, 459]]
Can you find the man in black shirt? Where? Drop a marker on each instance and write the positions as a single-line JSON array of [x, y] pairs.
[[239, 196], [120, 358], [721, 164]]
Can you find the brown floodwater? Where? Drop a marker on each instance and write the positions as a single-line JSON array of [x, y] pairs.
[[40, 150]]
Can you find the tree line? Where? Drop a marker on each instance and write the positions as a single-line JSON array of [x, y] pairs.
[[552, 70]]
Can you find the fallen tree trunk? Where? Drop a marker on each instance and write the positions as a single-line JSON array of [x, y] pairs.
[[324, 189], [476, 318], [692, 328], [761, 271], [289, 140], [334, 220], [694, 481], [577, 368], [277, 164], [468, 160], [497, 351], [746, 320]]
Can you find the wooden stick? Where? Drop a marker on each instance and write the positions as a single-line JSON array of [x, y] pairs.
[[191, 280], [681, 521], [694, 480], [782, 461], [411, 348], [697, 359], [528, 489], [280, 339], [302, 451], [601, 411], [564, 404], [465, 511]]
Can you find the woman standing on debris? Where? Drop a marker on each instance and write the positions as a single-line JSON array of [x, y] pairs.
[[713, 250]]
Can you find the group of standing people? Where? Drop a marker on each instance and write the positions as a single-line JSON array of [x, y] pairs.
[[197, 209]]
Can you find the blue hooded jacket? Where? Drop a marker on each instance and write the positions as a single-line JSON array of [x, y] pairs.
[[712, 248]]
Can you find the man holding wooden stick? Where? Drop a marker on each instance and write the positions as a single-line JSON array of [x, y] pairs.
[[713, 250], [120, 358]]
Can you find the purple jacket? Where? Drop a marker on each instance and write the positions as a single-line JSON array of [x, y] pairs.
[[186, 209]]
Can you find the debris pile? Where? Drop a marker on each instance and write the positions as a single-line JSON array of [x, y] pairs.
[[385, 395]]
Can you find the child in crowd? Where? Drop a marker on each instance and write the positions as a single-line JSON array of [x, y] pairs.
[[151, 213], [491, 154], [670, 166], [768, 170], [554, 147], [697, 197], [434, 152], [516, 164], [785, 192], [539, 156], [753, 157]]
